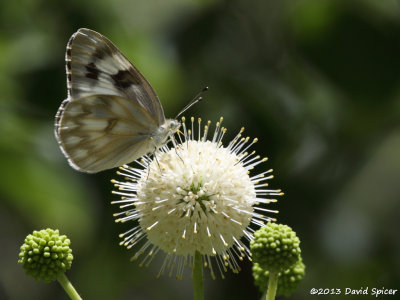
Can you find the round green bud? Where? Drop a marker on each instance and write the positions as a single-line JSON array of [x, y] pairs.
[[288, 280], [46, 254], [275, 247]]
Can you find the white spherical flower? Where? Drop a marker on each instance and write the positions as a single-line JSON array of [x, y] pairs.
[[195, 197]]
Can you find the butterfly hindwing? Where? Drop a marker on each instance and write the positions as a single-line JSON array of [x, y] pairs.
[[94, 65], [100, 132]]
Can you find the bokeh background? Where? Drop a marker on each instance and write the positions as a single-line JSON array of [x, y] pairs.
[[317, 81]]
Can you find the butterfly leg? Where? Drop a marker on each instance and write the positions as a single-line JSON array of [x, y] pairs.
[[155, 157], [148, 171], [154, 154], [176, 148], [177, 153]]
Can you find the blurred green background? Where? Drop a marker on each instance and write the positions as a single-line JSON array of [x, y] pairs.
[[317, 81]]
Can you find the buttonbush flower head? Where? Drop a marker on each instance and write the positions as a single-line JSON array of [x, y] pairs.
[[288, 280], [197, 196], [275, 247], [45, 255]]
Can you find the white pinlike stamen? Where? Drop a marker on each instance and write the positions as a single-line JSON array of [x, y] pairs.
[[217, 127], [197, 196], [199, 128], [206, 131], [208, 232], [152, 225], [192, 121], [171, 211]]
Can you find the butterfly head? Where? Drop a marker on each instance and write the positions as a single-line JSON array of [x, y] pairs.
[[166, 130], [172, 126]]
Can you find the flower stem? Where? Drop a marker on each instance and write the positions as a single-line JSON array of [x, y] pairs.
[[198, 292], [272, 285], [68, 287]]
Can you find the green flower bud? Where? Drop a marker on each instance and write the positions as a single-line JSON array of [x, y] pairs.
[[288, 280], [275, 247], [45, 255]]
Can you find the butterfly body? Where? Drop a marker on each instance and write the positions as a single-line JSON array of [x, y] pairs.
[[112, 115]]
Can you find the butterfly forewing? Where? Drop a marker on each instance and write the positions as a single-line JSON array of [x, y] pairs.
[[111, 113], [102, 131], [94, 65]]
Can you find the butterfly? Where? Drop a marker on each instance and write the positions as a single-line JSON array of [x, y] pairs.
[[112, 115]]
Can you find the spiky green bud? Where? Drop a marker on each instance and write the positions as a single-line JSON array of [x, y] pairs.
[[45, 254], [275, 247]]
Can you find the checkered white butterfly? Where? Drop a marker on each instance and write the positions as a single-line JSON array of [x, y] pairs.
[[112, 115]]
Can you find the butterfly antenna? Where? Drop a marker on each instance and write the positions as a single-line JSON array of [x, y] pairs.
[[196, 99]]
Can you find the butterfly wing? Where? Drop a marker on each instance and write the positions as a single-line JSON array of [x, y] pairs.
[[111, 111], [94, 65], [100, 132]]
